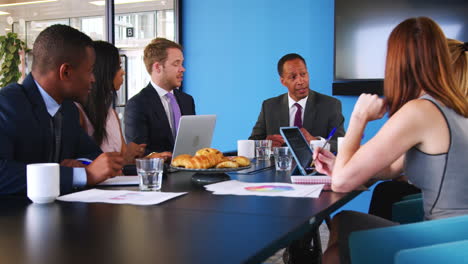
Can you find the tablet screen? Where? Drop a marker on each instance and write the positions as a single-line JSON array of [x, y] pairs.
[[299, 147]]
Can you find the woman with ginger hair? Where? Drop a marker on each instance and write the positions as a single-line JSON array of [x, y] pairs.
[[426, 135]]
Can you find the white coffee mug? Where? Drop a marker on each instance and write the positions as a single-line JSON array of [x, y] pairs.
[[43, 182], [340, 141], [319, 143], [246, 148]]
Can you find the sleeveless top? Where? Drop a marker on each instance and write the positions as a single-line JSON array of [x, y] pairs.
[[113, 141], [442, 178]]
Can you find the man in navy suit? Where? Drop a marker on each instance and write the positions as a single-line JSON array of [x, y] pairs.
[[39, 123], [152, 116]]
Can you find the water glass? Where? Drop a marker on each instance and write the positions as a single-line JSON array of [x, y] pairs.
[[150, 172], [263, 149], [283, 158]]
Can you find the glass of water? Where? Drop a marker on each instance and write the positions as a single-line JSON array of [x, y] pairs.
[[283, 158], [263, 149], [150, 172]]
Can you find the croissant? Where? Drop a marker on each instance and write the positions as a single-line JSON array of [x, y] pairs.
[[200, 162], [241, 160], [227, 164], [181, 160], [206, 151]]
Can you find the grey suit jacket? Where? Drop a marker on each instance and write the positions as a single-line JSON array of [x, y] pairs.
[[321, 115]]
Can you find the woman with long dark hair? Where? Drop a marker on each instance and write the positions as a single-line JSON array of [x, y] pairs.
[[98, 116], [426, 136]]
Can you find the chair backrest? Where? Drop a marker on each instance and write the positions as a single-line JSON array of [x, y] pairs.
[[408, 211], [453, 252], [381, 244]]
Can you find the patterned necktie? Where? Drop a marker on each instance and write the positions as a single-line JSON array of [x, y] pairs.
[[298, 116], [175, 112]]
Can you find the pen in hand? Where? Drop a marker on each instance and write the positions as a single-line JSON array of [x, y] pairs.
[[332, 133]]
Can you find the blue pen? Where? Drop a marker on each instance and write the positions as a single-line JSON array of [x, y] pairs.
[[328, 140], [85, 162]]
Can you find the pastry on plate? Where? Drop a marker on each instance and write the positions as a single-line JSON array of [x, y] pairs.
[[227, 164], [241, 160], [181, 160]]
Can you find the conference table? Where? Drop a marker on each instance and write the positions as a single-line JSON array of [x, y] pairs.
[[197, 227]]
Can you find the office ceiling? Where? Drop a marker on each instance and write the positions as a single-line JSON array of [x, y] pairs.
[[72, 8]]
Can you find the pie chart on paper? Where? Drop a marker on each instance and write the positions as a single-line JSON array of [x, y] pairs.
[[269, 188]]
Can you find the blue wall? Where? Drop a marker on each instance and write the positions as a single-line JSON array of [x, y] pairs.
[[231, 51]]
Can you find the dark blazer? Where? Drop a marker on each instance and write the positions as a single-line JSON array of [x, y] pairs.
[[321, 115], [26, 136], [147, 122]]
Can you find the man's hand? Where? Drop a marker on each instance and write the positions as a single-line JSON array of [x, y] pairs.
[[73, 163], [276, 140], [166, 156], [105, 166], [307, 135]]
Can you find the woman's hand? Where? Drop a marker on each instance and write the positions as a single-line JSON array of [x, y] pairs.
[[133, 151], [369, 107], [324, 161]]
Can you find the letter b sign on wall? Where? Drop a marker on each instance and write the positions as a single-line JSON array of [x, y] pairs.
[[130, 32]]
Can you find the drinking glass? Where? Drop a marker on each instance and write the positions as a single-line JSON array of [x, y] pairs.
[[283, 158], [150, 171], [263, 149]]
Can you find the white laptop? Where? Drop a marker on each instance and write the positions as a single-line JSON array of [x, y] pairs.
[[195, 132]]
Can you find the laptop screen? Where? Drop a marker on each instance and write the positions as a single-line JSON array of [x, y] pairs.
[[299, 148]]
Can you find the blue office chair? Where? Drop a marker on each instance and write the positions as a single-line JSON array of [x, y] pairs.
[[453, 252], [381, 244], [408, 211]]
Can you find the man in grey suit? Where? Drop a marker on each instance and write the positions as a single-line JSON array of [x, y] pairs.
[[314, 113]]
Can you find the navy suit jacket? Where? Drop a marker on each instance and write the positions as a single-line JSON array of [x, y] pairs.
[[147, 122], [26, 136]]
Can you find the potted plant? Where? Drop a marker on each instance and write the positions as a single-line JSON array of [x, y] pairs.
[[10, 46]]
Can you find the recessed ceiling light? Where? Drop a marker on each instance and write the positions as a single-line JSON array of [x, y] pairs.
[[28, 3], [120, 2]]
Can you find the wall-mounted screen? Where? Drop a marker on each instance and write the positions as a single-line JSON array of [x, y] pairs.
[[362, 28]]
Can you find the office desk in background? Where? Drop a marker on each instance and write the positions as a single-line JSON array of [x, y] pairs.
[[198, 227]]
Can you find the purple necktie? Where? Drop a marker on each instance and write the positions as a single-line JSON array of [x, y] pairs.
[[298, 116], [175, 112]]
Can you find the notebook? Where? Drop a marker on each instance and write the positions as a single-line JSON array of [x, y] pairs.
[[316, 179]]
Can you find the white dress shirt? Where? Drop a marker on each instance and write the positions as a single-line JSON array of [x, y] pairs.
[[293, 109]]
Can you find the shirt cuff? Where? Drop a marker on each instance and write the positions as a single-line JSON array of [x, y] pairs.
[[79, 177]]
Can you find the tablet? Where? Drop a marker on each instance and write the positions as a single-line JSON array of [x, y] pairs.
[[300, 149]]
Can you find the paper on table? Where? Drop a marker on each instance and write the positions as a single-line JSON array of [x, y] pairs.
[[265, 189], [121, 180], [119, 197]]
